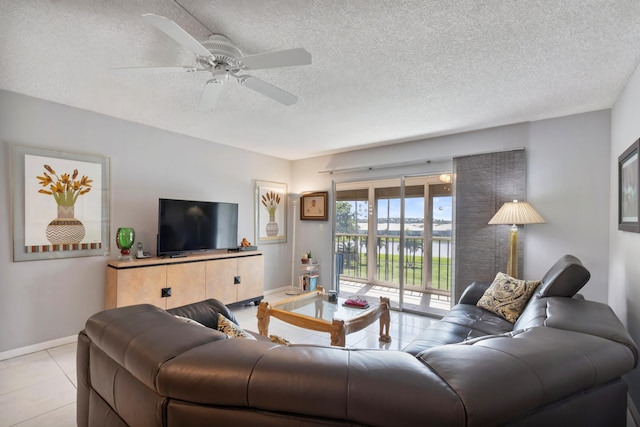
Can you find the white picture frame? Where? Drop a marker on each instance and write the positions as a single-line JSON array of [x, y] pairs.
[[35, 173], [270, 212]]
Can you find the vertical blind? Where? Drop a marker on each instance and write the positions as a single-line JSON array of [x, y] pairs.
[[483, 183]]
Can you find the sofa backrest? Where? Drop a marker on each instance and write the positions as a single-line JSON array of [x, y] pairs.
[[141, 365], [196, 376], [585, 346], [564, 279]]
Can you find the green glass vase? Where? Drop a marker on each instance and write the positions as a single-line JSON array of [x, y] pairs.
[[125, 236]]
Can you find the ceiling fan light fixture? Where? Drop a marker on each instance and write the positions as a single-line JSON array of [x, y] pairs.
[[222, 59]]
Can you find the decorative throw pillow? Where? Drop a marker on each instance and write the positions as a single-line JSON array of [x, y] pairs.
[[232, 330], [188, 320], [507, 297], [278, 340]]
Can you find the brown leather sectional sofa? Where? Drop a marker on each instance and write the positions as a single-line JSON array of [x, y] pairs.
[[561, 363]]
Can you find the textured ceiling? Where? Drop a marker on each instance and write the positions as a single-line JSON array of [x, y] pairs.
[[384, 71]]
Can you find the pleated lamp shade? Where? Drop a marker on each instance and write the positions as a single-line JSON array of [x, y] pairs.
[[517, 213]]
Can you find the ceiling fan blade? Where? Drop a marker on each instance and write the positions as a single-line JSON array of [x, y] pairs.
[[210, 94], [269, 90], [154, 70], [176, 32], [280, 58]]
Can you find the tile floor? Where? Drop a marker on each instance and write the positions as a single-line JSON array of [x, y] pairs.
[[402, 329], [422, 302], [39, 389]]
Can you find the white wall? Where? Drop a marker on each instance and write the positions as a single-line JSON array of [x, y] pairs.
[[562, 155], [566, 181], [624, 260], [46, 300]]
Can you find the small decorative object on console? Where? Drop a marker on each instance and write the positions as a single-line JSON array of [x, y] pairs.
[[246, 245], [141, 253], [309, 282], [125, 236], [356, 302], [333, 297]]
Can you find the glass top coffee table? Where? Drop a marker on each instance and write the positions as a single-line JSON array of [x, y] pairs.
[[314, 311]]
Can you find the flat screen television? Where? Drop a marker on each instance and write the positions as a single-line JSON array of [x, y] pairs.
[[189, 226]]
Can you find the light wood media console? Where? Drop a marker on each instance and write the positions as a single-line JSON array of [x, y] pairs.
[[171, 282]]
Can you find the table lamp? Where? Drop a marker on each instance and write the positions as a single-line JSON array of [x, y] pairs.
[[515, 213]]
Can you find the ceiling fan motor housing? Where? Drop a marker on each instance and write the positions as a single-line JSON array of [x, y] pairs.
[[223, 50]]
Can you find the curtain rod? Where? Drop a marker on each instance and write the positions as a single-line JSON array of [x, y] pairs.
[[384, 166], [410, 162]]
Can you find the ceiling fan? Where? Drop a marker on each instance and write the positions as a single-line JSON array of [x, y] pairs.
[[223, 60]]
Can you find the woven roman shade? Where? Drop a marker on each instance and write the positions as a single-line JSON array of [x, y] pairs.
[[483, 183]]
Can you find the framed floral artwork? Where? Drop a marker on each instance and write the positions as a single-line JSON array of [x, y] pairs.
[[60, 204], [313, 206], [628, 183], [270, 212]]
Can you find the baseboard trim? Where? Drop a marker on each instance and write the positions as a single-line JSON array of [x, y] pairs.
[[9, 354], [37, 347], [68, 340], [277, 290]]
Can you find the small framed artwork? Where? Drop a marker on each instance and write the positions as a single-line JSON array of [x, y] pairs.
[[60, 204], [313, 206], [628, 180], [271, 212]]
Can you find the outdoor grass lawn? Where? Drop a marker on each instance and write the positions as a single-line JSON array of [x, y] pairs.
[[390, 264]]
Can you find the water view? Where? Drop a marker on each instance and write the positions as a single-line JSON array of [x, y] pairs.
[[354, 240]]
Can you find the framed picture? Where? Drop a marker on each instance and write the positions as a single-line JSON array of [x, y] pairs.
[[628, 179], [313, 206], [60, 204], [271, 212]]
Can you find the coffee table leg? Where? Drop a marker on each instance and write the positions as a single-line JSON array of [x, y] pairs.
[[263, 316], [338, 333], [385, 319]]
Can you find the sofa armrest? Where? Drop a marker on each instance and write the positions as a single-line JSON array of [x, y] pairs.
[[472, 293]]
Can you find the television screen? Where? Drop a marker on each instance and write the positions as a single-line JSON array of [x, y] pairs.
[[189, 226]]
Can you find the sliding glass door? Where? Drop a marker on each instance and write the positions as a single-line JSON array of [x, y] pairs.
[[395, 239], [352, 227], [427, 244]]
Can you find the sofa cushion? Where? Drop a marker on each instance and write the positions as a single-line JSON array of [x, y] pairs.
[[534, 314], [463, 322], [507, 296], [473, 292]]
